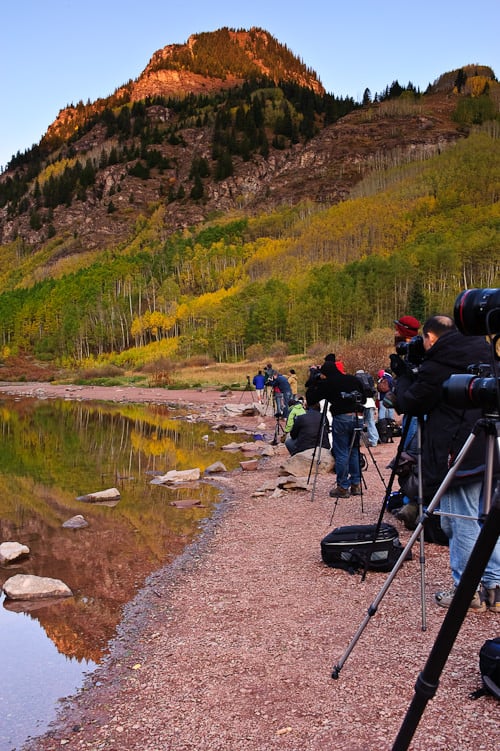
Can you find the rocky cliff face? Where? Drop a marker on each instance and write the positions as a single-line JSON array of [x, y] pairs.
[[324, 169]]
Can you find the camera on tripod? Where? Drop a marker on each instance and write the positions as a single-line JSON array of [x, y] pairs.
[[355, 396], [476, 313]]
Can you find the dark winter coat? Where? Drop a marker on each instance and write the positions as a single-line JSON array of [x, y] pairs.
[[306, 430], [446, 427]]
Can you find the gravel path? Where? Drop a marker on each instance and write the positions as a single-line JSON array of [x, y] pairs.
[[232, 647]]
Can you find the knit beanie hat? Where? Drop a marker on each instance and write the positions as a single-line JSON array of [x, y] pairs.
[[329, 368], [407, 326]]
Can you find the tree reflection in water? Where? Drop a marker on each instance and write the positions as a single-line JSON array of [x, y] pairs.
[[51, 452]]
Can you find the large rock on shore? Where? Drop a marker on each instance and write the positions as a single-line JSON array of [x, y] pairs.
[[300, 464], [30, 587]]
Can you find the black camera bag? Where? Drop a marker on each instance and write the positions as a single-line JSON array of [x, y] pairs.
[[353, 548], [386, 429], [489, 665]]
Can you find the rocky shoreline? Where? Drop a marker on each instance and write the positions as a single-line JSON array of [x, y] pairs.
[[232, 645]]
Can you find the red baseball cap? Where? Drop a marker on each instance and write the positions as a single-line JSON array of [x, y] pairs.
[[407, 326]]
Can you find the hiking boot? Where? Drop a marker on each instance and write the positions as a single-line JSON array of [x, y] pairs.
[[408, 515], [444, 599], [339, 492], [356, 489], [491, 599]]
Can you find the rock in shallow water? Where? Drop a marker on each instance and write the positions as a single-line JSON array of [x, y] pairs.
[[30, 587]]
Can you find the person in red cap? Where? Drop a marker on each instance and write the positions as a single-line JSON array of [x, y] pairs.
[[406, 328]]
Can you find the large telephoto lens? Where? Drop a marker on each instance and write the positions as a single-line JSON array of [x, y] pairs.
[[467, 391], [477, 312]]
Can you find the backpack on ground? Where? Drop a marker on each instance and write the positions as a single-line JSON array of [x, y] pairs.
[[387, 429], [489, 665], [369, 390], [352, 548]]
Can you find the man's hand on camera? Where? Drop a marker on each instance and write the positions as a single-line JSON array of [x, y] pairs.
[[398, 366]]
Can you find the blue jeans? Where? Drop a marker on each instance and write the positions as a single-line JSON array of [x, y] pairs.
[[462, 533], [371, 430], [347, 466], [410, 444]]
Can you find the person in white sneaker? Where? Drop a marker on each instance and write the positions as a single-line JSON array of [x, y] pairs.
[[445, 431]]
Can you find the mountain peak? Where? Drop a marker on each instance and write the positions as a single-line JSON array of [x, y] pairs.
[[219, 60], [209, 62]]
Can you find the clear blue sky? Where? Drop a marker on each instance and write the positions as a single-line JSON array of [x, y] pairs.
[[58, 52]]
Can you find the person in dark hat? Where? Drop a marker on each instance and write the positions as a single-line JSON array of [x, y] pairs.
[[340, 389], [330, 357]]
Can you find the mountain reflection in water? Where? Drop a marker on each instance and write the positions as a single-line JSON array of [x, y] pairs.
[[51, 452]]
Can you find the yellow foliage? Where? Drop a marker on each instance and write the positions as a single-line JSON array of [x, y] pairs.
[[55, 170]]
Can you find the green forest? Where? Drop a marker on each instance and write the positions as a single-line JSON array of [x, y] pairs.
[[410, 238]]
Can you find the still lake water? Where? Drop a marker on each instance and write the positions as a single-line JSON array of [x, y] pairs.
[[51, 452]]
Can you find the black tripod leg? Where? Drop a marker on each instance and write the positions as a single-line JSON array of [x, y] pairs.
[[319, 446], [393, 473], [428, 680]]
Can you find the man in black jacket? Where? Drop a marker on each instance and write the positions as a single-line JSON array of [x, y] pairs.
[[345, 394], [445, 431], [306, 431]]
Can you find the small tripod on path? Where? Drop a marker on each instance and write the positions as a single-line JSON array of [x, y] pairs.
[[248, 388], [278, 428]]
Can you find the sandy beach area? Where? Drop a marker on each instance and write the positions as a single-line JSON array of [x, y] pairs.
[[231, 647]]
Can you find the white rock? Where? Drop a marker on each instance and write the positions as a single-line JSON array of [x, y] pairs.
[[30, 587], [76, 522], [111, 494], [10, 551], [177, 475]]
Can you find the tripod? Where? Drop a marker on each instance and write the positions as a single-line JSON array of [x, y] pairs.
[[318, 445], [248, 388], [418, 452], [469, 581], [278, 428]]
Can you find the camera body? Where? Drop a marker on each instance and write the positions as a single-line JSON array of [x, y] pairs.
[[355, 396], [476, 313], [412, 352]]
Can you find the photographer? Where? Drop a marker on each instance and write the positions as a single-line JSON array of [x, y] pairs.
[[446, 429], [345, 394], [305, 431], [282, 393]]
